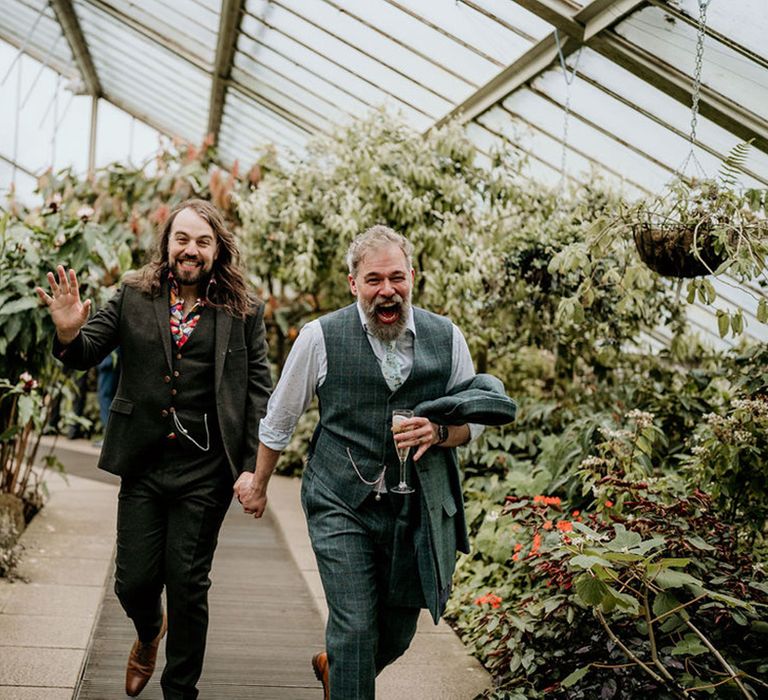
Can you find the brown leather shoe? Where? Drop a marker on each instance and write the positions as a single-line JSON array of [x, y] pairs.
[[320, 666], [141, 662]]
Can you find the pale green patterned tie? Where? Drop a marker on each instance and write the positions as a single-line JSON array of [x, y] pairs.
[[390, 367]]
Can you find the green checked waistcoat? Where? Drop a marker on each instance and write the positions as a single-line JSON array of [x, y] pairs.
[[356, 404], [356, 415]]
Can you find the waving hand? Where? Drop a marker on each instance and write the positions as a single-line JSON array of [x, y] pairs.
[[68, 313]]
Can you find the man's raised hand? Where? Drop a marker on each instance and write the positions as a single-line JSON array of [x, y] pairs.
[[68, 313]]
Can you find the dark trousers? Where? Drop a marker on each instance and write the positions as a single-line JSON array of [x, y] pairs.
[[369, 626], [167, 527]]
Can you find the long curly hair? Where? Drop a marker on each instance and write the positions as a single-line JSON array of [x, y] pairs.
[[230, 290]]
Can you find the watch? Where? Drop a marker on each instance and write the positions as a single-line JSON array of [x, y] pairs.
[[442, 434]]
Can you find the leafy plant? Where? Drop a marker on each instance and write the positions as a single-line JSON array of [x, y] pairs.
[[728, 454], [701, 227]]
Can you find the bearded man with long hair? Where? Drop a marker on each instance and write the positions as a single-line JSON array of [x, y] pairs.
[[194, 383]]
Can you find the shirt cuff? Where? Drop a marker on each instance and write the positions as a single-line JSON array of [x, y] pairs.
[[274, 439], [475, 431]]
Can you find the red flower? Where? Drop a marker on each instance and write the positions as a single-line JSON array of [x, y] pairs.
[[609, 504], [565, 526]]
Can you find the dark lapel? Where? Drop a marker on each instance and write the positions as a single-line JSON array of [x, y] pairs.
[[163, 314], [223, 328]]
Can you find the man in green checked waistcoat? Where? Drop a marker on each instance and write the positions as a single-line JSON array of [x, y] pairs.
[[382, 556]]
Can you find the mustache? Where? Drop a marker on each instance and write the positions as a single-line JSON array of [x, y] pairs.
[[394, 299]]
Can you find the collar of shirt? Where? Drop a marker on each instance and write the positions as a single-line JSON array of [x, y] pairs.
[[176, 300]]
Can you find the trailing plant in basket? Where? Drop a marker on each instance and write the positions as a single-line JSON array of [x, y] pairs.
[[701, 227]]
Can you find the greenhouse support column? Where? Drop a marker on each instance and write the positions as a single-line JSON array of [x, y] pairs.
[[92, 138]]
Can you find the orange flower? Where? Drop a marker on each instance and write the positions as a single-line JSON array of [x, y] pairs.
[[515, 556], [518, 547], [490, 598], [575, 513], [547, 500], [565, 526], [609, 504], [547, 525]]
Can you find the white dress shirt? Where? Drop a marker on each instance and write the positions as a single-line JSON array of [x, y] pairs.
[[307, 365]]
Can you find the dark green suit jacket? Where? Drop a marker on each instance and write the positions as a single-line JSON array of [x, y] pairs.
[[443, 531], [138, 418]]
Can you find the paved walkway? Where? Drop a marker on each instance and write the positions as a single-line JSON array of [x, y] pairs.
[[64, 636]]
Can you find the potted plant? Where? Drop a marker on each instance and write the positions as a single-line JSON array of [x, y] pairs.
[[702, 227]]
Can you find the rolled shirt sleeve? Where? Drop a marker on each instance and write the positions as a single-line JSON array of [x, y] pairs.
[[304, 371]]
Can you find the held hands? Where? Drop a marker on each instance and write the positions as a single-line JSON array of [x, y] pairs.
[[251, 496], [68, 313], [417, 432]]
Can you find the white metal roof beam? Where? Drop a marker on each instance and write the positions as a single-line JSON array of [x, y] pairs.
[[70, 25], [558, 13], [231, 12], [588, 21]]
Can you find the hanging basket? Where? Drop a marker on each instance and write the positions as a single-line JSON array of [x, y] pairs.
[[669, 249]]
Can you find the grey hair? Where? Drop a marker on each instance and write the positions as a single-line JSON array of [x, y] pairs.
[[375, 237]]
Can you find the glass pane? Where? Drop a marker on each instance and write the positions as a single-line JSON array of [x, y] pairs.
[[414, 91], [48, 129], [287, 94], [271, 65], [22, 24], [626, 125], [461, 21], [662, 109], [243, 110], [304, 113], [197, 34], [257, 39], [613, 157], [527, 23], [748, 26], [731, 74], [137, 143], [427, 44]]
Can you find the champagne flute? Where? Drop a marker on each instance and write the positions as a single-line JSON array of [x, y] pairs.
[[398, 416]]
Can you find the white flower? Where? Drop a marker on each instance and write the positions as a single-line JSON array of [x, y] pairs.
[[85, 212]]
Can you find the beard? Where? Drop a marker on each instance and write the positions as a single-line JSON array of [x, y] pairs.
[[198, 275], [387, 332]]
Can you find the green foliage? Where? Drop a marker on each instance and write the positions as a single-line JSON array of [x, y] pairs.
[[643, 594], [10, 550], [728, 452]]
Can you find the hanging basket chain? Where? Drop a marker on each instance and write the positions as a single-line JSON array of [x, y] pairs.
[[696, 87], [569, 79]]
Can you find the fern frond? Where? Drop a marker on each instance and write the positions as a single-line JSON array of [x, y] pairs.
[[732, 167]]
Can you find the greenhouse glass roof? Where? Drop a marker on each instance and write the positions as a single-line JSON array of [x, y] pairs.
[[259, 72], [595, 87]]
